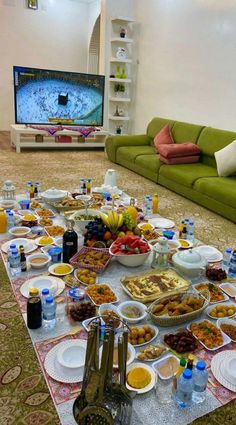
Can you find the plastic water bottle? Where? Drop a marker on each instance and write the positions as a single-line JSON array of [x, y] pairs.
[[226, 259], [11, 221], [11, 247], [44, 294], [81, 185], [184, 390], [200, 378], [190, 230], [49, 313], [14, 262], [232, 266]]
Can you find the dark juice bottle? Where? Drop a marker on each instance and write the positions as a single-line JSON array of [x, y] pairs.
[[70, 242], [34, 310]]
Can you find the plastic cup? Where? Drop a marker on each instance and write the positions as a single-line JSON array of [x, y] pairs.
[[25, 204]]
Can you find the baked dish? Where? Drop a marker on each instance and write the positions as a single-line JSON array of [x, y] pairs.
[[152, 285]]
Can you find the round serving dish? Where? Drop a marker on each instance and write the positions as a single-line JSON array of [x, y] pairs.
[[132, 305], [19, 231], [31, 260], [133, 260], [80, 224], [189, 263], [54, 195]]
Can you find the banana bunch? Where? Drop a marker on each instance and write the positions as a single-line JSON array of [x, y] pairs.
[[113, 220]]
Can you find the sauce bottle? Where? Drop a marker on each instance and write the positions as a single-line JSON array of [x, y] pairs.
[[182, 365], [190, 361], [31, 191], [22, 259], [3, 221], [70, 242], [89, 186], [34, 309]]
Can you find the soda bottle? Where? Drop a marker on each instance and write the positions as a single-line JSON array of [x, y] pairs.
[[22, 259]]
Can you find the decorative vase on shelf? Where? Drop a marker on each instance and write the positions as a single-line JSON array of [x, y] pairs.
[[118, 72], [122, 32], [123, 74], [119, 129]]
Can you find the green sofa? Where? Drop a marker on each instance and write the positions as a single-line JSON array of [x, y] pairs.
[[198, 182]]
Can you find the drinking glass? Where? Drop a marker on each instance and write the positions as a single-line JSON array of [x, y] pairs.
[[61, 308], [164, 387]]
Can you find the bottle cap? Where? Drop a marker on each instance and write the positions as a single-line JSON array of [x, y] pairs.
[[191, 357], [191, 222], [201, 365], [11, 214], [12, 246], [45, 291], [187, 374], [228, 250], [14, 251], [234, 254], [33, 292], [49, 300], [182, 362]]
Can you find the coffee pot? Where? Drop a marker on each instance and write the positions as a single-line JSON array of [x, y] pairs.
[[110, 178]]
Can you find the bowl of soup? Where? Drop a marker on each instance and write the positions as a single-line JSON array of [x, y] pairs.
[[39, 260], [19, 231]]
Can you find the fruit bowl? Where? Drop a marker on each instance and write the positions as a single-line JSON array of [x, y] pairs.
[[129, 259], [79, 218]]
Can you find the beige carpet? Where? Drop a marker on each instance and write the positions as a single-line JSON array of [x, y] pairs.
[[63, 169]]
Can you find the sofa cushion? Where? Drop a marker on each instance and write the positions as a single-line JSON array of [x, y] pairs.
[[183, 132], [212, 140], [180, 159], [151, 162], [156, 124], [187, 174], [129, 153], [222, 189], [178, 150], [226, 160], [164, 137]]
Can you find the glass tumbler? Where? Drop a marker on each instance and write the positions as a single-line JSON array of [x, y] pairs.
[[164, 388]]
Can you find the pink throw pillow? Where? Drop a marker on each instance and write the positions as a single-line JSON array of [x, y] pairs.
[[179, 150], [163, 137], [180, 160]]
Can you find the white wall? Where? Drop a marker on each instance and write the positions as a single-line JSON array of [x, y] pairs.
[[187, 54], [54, 37]]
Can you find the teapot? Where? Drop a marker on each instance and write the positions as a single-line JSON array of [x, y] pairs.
[[110, 178]]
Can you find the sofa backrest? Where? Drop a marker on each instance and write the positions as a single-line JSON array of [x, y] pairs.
[[156, 124], [182, 131], [212, 140]]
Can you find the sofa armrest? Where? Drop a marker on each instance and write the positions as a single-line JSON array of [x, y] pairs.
[[114, 142]]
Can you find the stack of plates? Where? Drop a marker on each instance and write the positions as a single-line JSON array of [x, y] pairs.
[[65, 362], [210, 253], [223, 367]]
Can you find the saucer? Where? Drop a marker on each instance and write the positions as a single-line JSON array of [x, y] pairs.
[[161, 223], [54, 284], [216, 369]]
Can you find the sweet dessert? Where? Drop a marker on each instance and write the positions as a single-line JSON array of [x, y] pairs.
[[138, 378]]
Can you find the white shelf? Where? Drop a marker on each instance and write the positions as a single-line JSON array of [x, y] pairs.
[[120, 19], [120, 80], [114, 118], [121, 60], [121, 40], [119, 99]]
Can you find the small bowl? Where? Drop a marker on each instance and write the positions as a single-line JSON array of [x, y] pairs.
[[19, 231], [38, 265], [141, 307], [72, 355], [80, 225], [7, 204], [161, 361], [169, 234]]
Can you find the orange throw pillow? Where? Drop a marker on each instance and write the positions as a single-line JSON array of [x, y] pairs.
[[163, 137]]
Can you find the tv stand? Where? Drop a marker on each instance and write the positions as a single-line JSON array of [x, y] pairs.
[[23, 136]]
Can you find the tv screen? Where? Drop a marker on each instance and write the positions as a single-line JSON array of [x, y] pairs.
[[55, 97]]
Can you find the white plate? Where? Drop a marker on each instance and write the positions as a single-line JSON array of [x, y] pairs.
[[208, 310], [53, 266], [224, 286], [113, 302], [162, 223], [216, 368], [58, 372], [37, 241], [148, 342], [228, 368], [157, 358], [72, 354], [131, 351], [226, 338], [48, 216], [55, 285], [28, 245], [150, 385], [210, 253], [226, 298]]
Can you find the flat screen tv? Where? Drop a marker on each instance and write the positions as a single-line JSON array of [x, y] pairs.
[[55, 97]]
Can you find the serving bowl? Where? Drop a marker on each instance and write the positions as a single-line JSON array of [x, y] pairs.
[[54, 195], [132, 305], [32, 260], [109, 307], [189, 263], [81, 223], [130, 260], [19, 231]]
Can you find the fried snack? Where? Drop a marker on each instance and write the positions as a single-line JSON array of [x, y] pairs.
[[216, 294], [140, 335], [43, 212], [151, 352], [45, 222], [177, 305], [101, 294], [207, 333], [34, 205], [110, 316], [93, 258], [55, 230], [86, 276], [222, 311]]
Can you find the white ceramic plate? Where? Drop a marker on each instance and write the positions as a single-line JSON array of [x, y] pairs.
[[226, 338], [148, 342], [58, 372], [72, 354], [37, 241], [161, 223], [150, 385], [225, 286], [24, 231], [131, 351], [216, 368], [208, 310], [210, 253], [55, 285], [28, 245], [226, 321], [228, 368], [53, 266]]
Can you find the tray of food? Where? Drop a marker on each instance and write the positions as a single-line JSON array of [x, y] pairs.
[[101, 294], [222, 310], [46, 222], [142, 334], [209, 335], [55, 230], [181, 342], [96, 259], [228, 327], [216, 294], [45, 213], [151, 352], [176, 309], [150, 286]]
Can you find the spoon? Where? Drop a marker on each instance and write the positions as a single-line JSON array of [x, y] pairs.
[[72, 332]]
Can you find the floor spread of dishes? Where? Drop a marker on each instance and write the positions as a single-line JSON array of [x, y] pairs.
[[175, 294]]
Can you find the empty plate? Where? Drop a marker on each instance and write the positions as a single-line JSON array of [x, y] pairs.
[[72, 354], [228, 369], [210, 253], [219, 372], [41, 282], [28, 245], [161, 223]]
